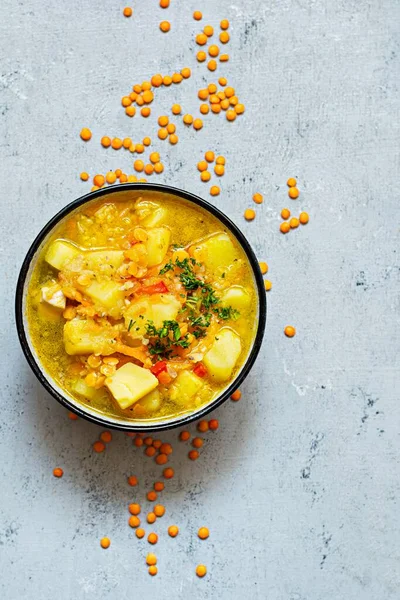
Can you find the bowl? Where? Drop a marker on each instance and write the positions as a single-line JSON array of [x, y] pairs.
[[34, 361]]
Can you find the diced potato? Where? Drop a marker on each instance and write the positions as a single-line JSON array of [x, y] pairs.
[[150, 214], [217, 252], [84, 336], [130, 383], [157, 245], [106, 294], [60, 253], [53, 295], [185, 387], [165, 309], [237, 297], [136, 316], [81, 388], [105, 262], [223, 355], [151, 402]]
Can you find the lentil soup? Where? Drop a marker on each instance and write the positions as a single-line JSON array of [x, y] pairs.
[[142, 306]]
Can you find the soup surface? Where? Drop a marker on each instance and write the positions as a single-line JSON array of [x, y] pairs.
[[143, 308]]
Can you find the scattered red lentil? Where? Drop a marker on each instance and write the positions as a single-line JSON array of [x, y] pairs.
[[151, 559], [134, 508], [285, 213], [293, 193], [151, 518], [224, 37], [153, 570], [58, 472], [201, 570], [267, 285], [203, 533], [214, 190], [202, 166], [165, 26], [291, 182], [134, 521], [304, 218], [290, 331], [99, 447], [294, 223], [193, 455], [249, 214], [168, 473], [159, 486], [159, 510], [197, 442], [152, 538], [213, 424], [105, 542], [84, 176], [150, 451], [86, 134], [99, 180], [106, 436], [184, 436], [173, 530], [152, 496], [258, 198], [284, 227], [202, 426], [72, 416], [237, 394], [140, 533], [161, 459]]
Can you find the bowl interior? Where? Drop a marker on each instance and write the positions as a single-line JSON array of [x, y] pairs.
[[121, 193]]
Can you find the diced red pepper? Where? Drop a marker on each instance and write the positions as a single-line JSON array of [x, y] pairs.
[[160, 366], [200, 370], [155, 288]]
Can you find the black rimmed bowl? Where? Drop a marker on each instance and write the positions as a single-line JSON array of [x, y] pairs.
[[121, 192]]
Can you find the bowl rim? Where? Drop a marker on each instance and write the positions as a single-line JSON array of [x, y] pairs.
[[102, 419]]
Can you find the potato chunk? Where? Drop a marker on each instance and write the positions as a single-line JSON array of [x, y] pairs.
[[84, 336], [104, 262], [60, 253], [150, 214], [216, 252], [186, 386], [130, 383], [165, 309], [151, 402], [136, 316], [223, 355], [157, 245], [107, 295], [237, 297]]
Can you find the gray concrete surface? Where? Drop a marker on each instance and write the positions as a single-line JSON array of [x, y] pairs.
[[300, 485]]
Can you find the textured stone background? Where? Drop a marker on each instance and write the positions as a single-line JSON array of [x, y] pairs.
[[300, 486]]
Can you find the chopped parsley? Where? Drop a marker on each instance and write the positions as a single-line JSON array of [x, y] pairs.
[[227, 312], [167, 267], [161, 342], [131, 324]]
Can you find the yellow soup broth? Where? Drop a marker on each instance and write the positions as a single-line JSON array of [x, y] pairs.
[[142, 308]]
